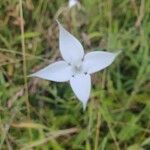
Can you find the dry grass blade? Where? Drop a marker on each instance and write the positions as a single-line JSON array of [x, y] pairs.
[[50, 136], [141, 15], [29, 125]]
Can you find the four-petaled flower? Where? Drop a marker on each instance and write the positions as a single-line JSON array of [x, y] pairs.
[[76, 66]]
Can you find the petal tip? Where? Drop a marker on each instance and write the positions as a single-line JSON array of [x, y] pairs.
[[84, 106], [31, 75], [119, 52], [72, 3], [59, 24]]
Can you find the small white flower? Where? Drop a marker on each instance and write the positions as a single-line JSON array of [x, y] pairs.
[[72, 3], [76, 66]]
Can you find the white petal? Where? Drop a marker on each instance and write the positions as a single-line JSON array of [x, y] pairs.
[[81, 85], [59, 71], [98, 60], [70, 48], [72, 3]]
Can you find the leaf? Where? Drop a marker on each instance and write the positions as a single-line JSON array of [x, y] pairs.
[[146, 142], [128, 132], [27, 35], [104, 143], [88, 146], [55, 145], [134, 147]]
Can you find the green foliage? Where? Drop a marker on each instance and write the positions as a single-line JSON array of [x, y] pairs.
[[117, 116]]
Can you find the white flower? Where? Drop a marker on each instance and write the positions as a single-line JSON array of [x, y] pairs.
[[76, 66], [72, 3]]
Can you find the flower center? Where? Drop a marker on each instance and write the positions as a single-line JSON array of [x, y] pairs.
[[77, 68]]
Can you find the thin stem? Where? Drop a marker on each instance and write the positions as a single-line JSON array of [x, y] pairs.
[[89, 120], [73, 19], [97, 131], [24, 60]]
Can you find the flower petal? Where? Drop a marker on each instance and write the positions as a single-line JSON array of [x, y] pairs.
[[81, 85], [96, 61], [70, 48], [59, 71], [72, 3]]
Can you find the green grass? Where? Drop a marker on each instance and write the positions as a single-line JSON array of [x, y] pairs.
[[117, 116]]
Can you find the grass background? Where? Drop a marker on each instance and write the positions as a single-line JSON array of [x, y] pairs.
[[42, 115]]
